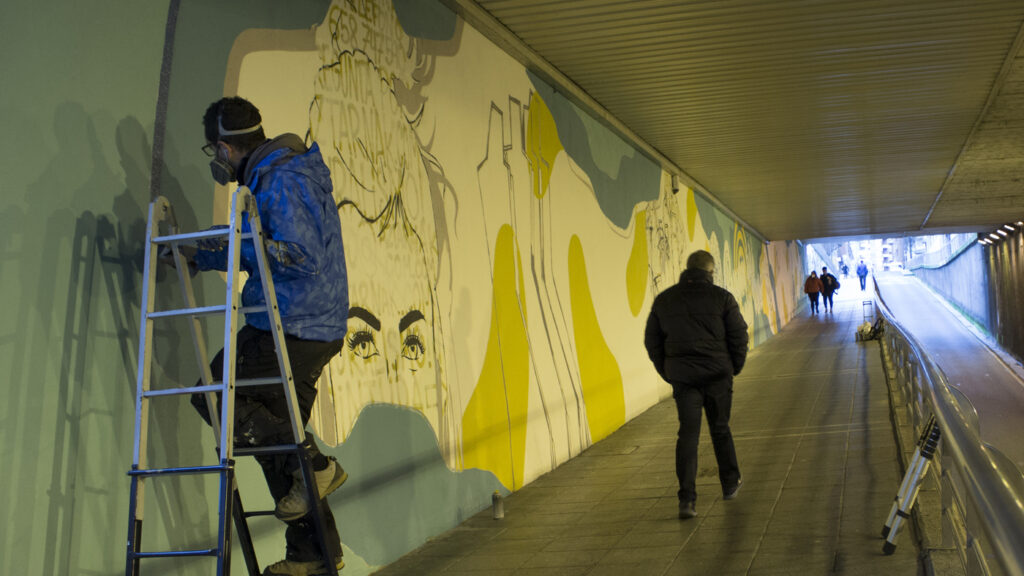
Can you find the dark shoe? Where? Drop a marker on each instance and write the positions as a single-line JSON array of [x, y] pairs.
[[296, 568], [687, 510], [731, 492]]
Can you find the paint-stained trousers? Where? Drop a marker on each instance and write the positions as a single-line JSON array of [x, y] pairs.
[[261, 419], [714, 400]]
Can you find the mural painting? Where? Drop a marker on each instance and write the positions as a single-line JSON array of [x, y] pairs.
[[503, 249]]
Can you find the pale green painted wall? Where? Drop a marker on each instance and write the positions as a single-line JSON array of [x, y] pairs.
[[76, 110]]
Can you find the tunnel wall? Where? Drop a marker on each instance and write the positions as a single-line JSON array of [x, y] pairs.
[[963, 283], [1005, 268], [528, 237]]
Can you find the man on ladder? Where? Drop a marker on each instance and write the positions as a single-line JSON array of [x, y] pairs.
[[293, 190]]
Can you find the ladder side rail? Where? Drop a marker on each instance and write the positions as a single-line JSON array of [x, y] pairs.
[[157, 211], [227, 499], [233, 300], [198, 337], [242, 530], [227, 420], [274, 313], [329, 549]]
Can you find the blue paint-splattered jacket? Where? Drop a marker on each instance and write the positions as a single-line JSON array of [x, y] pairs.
[[293, 190]]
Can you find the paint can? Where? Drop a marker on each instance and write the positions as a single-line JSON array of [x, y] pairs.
[[497, 505]]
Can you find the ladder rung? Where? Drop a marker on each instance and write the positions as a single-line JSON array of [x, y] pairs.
[[266, 450], [217, 386], [191, 237], [251, 309], [200, 311], [174, 553], [259, 513], [253, 381], [178, 471], [179, 391]]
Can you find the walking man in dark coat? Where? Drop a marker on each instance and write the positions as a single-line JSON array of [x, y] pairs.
[[697, 339]]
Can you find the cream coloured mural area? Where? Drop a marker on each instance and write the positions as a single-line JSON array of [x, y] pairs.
[[489, 290]]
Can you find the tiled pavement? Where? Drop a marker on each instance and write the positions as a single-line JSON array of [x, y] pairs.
[[819, 460]]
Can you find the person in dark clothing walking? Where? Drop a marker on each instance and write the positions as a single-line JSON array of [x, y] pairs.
[[294, 195], [862, 274], [812, 287], [697, 339], [829, 285]]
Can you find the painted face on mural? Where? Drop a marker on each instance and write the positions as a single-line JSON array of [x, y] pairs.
[[389, 348]]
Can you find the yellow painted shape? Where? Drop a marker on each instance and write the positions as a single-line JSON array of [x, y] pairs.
[[522, 286], [691, 213], [494, 423], [542, 144], [765, 308], [600, 376], [636, 267], [739, 258]]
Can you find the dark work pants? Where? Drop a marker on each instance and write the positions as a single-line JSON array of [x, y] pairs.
[[261, 419], [826, 300], [715, 400], [813, 297]]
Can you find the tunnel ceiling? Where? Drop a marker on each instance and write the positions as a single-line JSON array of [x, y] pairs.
[[807, 119]]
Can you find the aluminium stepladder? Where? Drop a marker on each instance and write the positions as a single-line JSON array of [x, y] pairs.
[[161, 215], [924, 453]]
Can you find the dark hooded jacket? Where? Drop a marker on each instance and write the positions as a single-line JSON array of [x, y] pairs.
[[695, 333]]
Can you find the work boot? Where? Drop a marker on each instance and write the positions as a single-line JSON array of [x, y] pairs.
[[295, 505], [297, 568], [687, 510]]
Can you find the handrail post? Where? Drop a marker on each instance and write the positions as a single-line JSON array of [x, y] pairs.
[[914, 377], [946, 498]]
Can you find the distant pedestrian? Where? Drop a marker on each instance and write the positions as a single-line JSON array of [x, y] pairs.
[[697, 339], [813, 288], [829, 284], [862, 273]]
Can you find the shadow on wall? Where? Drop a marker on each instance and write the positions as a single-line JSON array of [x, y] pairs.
[[37, 240], [73, 352]]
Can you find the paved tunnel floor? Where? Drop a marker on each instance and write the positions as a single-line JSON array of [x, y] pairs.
[[819, 462]]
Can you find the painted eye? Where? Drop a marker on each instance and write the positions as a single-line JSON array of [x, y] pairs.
[[361, 344], [412, 347]]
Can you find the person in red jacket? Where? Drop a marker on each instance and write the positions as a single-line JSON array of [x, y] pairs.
[[813, 287]]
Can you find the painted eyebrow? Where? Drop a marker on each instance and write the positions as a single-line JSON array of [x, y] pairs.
[[409, 319], [364, 315]]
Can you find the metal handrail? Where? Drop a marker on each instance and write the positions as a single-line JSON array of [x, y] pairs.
[[992, 494]]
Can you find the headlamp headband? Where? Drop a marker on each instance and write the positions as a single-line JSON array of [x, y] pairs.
[[223, 132]]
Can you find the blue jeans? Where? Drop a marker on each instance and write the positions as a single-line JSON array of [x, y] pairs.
[[715, 400]]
